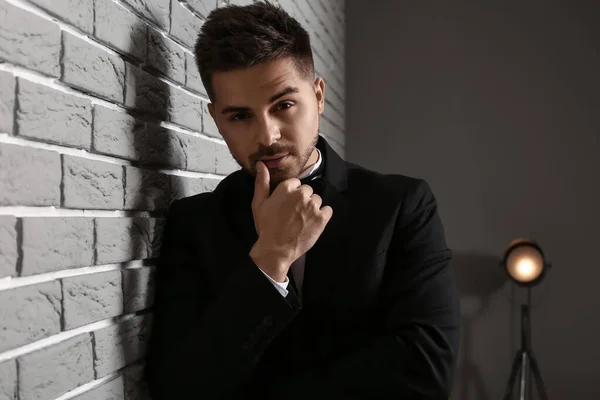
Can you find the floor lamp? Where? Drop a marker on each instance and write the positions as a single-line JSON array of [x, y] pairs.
[[525, 265]]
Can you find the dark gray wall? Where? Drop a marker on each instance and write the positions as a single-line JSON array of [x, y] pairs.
[[498, 107]]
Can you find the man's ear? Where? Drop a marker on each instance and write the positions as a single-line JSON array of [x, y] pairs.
[[319, 87]]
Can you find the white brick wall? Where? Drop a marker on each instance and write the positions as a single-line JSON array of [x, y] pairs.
[[103, 122]]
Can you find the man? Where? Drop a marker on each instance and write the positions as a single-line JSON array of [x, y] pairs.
[[301, 274]]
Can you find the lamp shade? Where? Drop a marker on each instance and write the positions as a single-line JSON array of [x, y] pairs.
[[524, 262]]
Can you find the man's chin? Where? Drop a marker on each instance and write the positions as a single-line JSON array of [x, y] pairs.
[[277, 177], [278, 174]]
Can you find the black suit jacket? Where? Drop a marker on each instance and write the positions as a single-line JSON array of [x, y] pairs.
[[379, 317]]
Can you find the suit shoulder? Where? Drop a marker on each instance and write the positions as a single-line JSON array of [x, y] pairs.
[[191, 201], [180, 209], [396, 185]]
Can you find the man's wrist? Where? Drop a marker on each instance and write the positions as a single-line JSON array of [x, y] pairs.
[[271, 263]]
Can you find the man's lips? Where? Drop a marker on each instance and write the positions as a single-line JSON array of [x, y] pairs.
[[275, 157], [274, 161]]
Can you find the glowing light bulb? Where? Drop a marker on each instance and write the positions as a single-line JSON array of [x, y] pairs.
[[526, 268], [525, 264]]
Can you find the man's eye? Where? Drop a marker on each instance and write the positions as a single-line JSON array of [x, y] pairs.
[[283, 106], [238, 116]]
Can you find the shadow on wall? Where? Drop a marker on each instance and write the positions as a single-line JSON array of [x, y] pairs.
[[478, 278], [148, 192]]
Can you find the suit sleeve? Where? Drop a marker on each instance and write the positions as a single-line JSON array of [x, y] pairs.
[[413, 352], [280, 286], [202, 344]]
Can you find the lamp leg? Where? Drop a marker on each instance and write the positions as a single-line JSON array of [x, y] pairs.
[[523, 383], [535, 371], [514, 372], [527, 344]]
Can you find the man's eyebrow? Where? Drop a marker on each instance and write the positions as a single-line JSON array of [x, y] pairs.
[[286, 91]]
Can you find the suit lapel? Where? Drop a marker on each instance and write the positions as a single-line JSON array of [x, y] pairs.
[[324, 262]]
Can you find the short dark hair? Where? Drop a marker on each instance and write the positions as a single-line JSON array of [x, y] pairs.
[[239, 37]]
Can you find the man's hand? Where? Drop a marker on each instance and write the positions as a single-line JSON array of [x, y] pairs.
[[288, 222]]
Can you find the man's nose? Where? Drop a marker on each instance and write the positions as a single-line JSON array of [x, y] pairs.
[[267, 132]]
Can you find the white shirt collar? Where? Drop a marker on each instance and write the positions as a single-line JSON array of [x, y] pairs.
[[313, 168]]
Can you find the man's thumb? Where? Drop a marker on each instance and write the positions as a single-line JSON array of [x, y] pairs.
[[262, 182]]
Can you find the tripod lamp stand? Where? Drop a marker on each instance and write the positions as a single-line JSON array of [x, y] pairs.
[[525, 265]]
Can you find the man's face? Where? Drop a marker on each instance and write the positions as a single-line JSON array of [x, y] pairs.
[[270, 113]]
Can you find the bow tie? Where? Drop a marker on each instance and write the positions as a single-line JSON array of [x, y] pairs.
[[315, 181]]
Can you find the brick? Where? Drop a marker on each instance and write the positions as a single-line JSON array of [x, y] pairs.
[[185, 25], [135, 384], [111, 390], [155, 11], [334, 53], [331, 130], [118, 134], [8, 246], [29, 177], [166, 56], [145, 93], [7, 102], [179, 150], [90, 298], [127, 239], [29, 40], [138, 289], [336, 82], [28, 314], [337, 148], [294, 11], [201, 153], [211, 184], [334, 117], [8, 380], [330, 24], [337, 7], [75, 12], [92, 184], [321, 67], [313, 11], [166, 148], [321, 51], [209, 126], [202, 7], [121, 345], [55, 370], [335, 103], [91, 69], [334, 100], [146, 190], [120, 29], [310, 16], [185, 109], [52, 244], [226, 164], [331, 73], [52, 116], [192, 78], [184, 187], [332, 140]]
